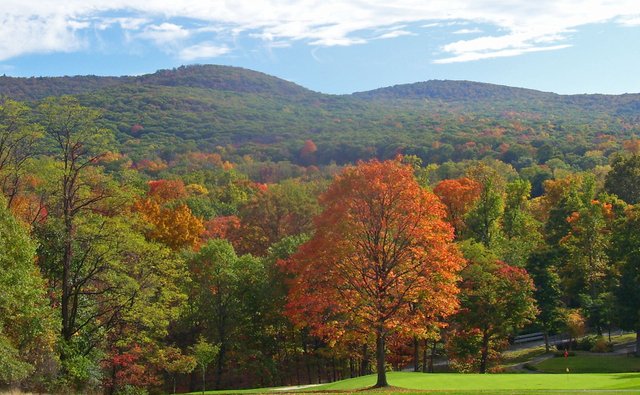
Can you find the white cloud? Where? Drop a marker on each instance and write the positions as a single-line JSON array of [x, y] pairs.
[[125, 23], [471, 56], [395, 33], [35, 26], [468, 31], [204, 50], [164, 34]]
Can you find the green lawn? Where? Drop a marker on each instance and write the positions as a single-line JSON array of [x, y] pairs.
[[590, 364], [460, 381], [484, 383]]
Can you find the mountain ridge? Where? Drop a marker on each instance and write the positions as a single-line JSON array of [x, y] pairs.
[[202, 108], [237, 79]]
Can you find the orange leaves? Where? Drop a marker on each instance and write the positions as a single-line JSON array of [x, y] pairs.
[[632, 146], [381, 256], [458, 195], [152, 166], [164, 190], [308, 153], [178, 228], [222, 227]]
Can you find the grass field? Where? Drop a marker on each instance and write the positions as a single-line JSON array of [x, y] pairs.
[[590, 364], [457, 383]]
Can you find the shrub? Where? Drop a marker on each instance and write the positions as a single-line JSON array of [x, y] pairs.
[[587, 343], [601, 345]]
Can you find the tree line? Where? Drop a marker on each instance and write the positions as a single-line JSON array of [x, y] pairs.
[[214, 270]]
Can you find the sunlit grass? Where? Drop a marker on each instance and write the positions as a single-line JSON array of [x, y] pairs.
[[404, 383]]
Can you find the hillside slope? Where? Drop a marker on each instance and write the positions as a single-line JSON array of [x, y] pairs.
[[199, 108]]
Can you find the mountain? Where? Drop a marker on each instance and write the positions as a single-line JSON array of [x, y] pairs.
[[204, 107], [224, 78], [454, 91], [480, 93]]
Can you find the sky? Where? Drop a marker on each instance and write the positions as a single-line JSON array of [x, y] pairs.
[[335, 46]]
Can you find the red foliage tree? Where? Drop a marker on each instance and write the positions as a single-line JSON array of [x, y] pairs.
[[381, 261]]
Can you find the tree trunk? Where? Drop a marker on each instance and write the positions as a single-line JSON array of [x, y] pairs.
[[319, 369], [424, 355], [433, 355], [67, 330], [638, 342], [546, 341], [204, 371], [333, 369], [416, 355], [485, 353], [221, 360], [307, 361], [364, 366], [380, 356]]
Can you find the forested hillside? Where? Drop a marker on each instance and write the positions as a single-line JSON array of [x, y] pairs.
[[217, 227], [171, 111]]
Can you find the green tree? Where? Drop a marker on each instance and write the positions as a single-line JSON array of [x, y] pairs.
[[496, 299], [624, 178], [222, 295], [588, 270], [483, 221], [204, 353], [626, 247], [77, 143], [520, 228], [548, 294], [27, 327]]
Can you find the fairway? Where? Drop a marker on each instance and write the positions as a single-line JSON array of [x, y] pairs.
[[460, 381], [590, 364], [482, 383]]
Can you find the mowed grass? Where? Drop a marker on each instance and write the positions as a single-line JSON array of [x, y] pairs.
[[404, 382], [483, 382], [590, 364]]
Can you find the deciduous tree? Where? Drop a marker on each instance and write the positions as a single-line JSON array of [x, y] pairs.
[[495, 300], [79, 143], [381, 261], [458, 195], [27, 327]]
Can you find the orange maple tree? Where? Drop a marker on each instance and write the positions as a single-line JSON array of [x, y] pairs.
[[458, 195], [177, 228], [381, 261], [308, 153], [165, 190]]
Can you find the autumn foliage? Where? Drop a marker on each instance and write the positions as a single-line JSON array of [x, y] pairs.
[[178, 228], [381, 261], [458, 195], [164, 190]]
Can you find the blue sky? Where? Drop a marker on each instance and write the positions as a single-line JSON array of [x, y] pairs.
[[335, 46]]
